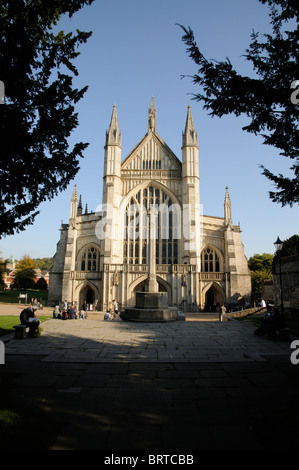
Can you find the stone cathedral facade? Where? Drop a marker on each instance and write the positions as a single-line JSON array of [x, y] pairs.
[[103, 255]]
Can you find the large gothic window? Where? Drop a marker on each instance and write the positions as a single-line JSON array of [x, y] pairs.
[[167, 224], [210, 261], [90, 259]]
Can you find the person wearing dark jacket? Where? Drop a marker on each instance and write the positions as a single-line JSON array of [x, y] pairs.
[[27, 317], [71, 313]]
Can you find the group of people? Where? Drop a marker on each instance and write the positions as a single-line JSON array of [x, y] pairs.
[[69, 311], [107, 315], [34, 303]]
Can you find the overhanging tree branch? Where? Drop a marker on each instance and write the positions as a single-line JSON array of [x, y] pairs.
[[39, 116], [266, 99]]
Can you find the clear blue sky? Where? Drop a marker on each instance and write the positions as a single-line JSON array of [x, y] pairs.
[[135, 53]]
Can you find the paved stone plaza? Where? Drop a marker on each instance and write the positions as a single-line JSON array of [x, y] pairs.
[[118, 341], [166, 387]]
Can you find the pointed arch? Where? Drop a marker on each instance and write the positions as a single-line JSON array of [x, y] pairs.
[[87, 292], [88, 258], [140, 282], [212, 295], [134, 209], [146, 184], [211, 259]]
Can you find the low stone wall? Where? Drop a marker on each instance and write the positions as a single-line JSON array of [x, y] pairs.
[[247, 312]]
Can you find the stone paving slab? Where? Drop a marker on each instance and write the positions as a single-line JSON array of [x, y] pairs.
[[155, 407], [160, 388], [96, 341]]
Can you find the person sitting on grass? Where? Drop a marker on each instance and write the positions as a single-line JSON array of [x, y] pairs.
[[56, 312]]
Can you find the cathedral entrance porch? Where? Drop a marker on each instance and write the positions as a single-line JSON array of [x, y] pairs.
[[88, 294], [213, 297], [142, 287]]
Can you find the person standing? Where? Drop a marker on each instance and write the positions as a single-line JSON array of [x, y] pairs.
[[84, 307], [263, 304], [222, 312], [115, 306]]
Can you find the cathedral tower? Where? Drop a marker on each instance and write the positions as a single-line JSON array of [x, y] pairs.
[[112, 189], [190, 193]]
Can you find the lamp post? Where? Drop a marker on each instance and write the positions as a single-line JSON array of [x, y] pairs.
[[278, 246]]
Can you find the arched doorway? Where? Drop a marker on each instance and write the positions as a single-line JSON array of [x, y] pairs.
[[210, 295], [214, 296], [141, 287], [88, 295]]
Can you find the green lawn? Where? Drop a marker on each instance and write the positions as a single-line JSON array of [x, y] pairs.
[[18, 422], [11, 296], [8, 321]]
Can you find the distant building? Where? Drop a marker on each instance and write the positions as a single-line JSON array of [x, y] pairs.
[[101, 256], [41, 274], [10, 274], [9, 278]]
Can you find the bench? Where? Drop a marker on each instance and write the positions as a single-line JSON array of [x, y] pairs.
[[20, 331]]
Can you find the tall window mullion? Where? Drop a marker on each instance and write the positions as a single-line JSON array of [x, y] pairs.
[[136, 228], [90, 260], [210, 261]]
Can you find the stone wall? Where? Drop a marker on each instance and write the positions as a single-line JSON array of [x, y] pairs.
[[267, 291], [247, 312], [290, 284], [56, 272]]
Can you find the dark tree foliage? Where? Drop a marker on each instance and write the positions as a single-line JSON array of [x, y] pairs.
[[290, 246], [2, 273], [39, 116], [266, 100]]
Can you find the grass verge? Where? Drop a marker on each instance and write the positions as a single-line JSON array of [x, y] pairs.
[[8, 321], [26, 429]]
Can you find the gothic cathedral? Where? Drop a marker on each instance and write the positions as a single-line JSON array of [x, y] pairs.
[[103, 255]]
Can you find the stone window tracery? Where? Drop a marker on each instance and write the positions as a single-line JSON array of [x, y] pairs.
[[135, 249], [90, 259], [210, 261]]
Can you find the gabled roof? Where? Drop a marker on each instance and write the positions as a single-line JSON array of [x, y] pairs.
[[164, 152]]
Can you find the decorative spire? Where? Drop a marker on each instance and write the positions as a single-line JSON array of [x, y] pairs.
[[152, 119], [74, 196], [227, 208], [113, 136], [74, 203], [79, 208], [189, 136]]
